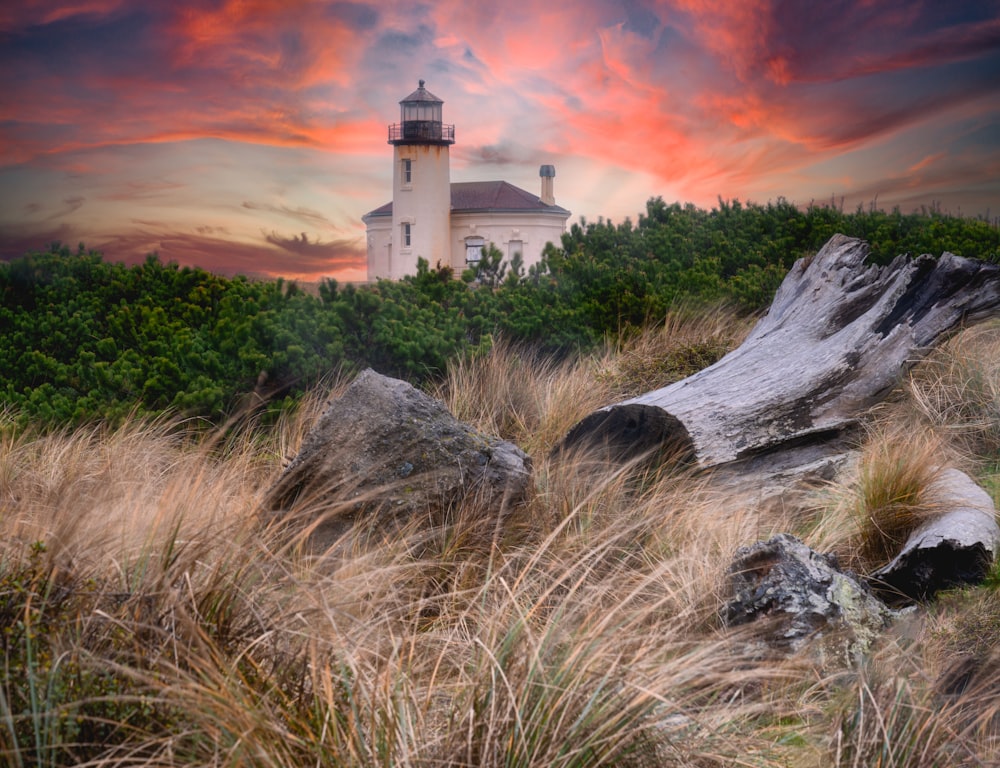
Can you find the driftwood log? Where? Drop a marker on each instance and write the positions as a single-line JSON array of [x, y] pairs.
[[953, 548], [834, 342]]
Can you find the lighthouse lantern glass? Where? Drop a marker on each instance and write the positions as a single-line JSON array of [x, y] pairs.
[[421, 111]]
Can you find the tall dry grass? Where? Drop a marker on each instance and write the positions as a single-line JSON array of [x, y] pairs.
[[957, 393], [150, 617], [689, 338], [514, 393], [889, 494]]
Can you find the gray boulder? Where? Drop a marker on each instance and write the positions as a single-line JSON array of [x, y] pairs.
[[803, 595], [384, 453]]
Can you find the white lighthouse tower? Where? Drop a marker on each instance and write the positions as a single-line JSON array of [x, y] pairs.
[[451, 224], [421, 185]]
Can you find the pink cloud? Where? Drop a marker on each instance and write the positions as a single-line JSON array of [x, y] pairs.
[[703, 98], [272, 255], [925, 162], [26, 12], [242, 72], [268, 254]]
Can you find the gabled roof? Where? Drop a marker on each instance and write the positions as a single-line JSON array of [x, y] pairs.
[[487, 197], [495, 196], [382, 210]]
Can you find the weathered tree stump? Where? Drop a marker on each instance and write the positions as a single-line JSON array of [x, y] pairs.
[[834, 342]]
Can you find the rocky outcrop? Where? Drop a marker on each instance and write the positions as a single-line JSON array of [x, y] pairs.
[[385, 452], [803, 595]]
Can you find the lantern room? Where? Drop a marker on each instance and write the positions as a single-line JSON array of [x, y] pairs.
[[421, 122]]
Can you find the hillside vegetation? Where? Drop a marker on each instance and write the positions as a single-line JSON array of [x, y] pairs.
[[86, 340], [149, 618]]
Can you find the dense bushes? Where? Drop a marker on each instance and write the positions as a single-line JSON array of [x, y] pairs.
[[84, 338]]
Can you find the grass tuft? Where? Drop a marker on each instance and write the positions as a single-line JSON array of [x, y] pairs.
[[957, 392], [688, 340], [513, 393], [893, 493]]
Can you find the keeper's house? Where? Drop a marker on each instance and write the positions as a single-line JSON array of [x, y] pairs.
[[432, 218]]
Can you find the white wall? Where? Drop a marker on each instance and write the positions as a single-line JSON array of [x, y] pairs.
[[379, 236], [533, 230], [424, 204]]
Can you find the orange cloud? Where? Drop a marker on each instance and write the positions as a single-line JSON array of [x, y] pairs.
[[271, 256], [925, 162], [734, 33], [697, 98]]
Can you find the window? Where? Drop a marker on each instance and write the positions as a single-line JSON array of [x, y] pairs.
[[406, 235], [514, 248], [407, 171], [474, 250]]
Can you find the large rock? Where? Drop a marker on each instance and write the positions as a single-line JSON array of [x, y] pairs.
[[389, 452], [803, 595], [955, 547]]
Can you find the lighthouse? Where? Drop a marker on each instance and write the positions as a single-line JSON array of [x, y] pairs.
[[451, 224], [421, 184]]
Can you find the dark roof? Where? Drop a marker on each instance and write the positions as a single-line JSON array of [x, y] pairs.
[[487, 196], [492, 196], [422, 94], [382, 210]]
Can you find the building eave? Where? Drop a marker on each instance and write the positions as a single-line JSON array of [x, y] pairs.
[[554, 211], [383, 211], [485, 191]]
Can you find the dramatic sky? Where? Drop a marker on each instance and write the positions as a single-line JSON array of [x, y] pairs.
[[250, 135]]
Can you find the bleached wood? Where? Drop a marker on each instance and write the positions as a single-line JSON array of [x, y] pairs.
[[954, 547], [834, 342]]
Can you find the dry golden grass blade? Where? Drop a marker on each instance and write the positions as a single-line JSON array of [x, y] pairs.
[[513, 393], [894, 491]]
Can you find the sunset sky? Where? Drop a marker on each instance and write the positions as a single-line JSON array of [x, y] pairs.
[[250, 135]]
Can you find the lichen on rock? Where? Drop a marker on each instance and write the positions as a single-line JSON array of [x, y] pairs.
[[804, 595]]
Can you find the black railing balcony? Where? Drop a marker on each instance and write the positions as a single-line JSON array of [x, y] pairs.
[[429, 131]]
